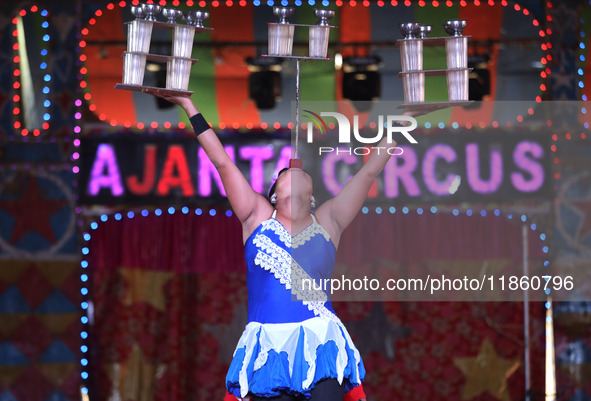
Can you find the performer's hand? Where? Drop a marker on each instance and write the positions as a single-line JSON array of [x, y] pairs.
[[414, 113], [182, 100]]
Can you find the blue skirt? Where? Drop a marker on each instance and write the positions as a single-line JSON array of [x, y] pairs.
[[290, 358]]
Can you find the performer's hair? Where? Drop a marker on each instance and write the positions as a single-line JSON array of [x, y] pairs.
[[272, 189]]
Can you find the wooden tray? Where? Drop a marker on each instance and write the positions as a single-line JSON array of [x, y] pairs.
[[160, 58], [432, 72], [139, 88], [297, 57], [428, 107]]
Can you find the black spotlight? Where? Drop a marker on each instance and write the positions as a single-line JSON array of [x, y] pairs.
[[361, 79], [479, 78], [264, 83]]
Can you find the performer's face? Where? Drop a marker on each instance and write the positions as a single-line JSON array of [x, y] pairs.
[[294, 183]]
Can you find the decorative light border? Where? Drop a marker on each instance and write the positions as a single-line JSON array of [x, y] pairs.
[[580, 65], [543, 33], [582, 60], [18, 123], [103, 218]]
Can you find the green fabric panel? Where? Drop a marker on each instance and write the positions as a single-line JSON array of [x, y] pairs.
[[202, 80], [318, 77], [434, 56]]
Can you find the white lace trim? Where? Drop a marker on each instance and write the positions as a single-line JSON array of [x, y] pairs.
[[274, 266], [308, 233], [284, 338], [299, 239], [275, 226]]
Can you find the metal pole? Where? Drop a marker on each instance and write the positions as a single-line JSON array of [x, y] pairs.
[[526, 317], [294, 151]]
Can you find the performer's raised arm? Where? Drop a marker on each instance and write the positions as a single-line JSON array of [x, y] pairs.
[[337, 213], [249, 206]]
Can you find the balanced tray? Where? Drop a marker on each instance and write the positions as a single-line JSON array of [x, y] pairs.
[[297, 57], [428, 107], [140, 88], [432, 72], [160, 58]]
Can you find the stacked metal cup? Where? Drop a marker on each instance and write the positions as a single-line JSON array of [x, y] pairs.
[[319, 33], [179, 66], [456, 48], [411, 53], [281, 33], [139, 34]]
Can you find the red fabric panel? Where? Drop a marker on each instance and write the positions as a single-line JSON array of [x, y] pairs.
[[410, 238], [484, 23], [176, 243], [105, 68], [231, 72], [354, 26]]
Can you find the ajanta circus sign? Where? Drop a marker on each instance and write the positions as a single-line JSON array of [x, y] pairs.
[[443, 168]]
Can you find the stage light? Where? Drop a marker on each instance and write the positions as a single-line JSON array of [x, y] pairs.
[[264, 83], [361, 80], [479, 78]]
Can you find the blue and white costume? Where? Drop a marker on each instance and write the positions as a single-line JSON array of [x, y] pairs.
[[293, 339]]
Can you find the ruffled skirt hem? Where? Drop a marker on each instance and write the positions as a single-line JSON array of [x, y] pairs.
[[290, 358]]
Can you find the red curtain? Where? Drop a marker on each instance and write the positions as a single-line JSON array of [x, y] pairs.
[[169, 304]]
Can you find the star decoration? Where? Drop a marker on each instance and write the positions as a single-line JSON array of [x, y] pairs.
[[563, 79], [487, 372], [145, 286], [583, 206], [376, 333], [134, 378], [228, 335], [32, 213]]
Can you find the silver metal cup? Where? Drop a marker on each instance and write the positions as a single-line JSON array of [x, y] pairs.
[[196, 18], [177, 73], [456, 49], [457, 85], [151, 11], [139, 35], [411, 55], [134, 67], [171, 15], [323, 16], [182, 44], [318, 37], [410, 30], [414, 87], [138, 12], [281, 39], [455, 27], [424, 30], [283, 13]]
